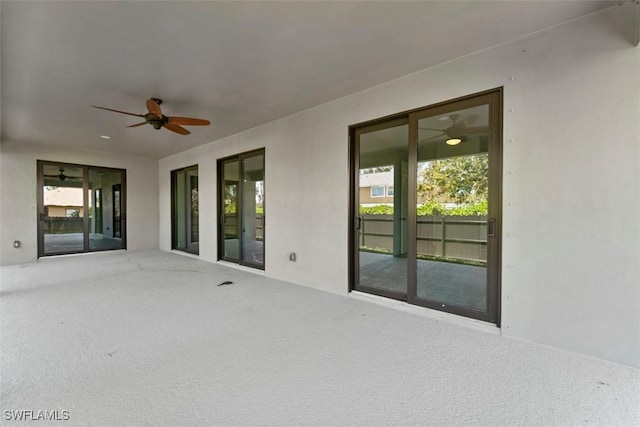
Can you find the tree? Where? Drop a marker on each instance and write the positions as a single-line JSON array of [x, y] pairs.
[[463, 180]]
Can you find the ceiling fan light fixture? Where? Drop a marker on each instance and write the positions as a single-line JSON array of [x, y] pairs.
[[453, 141]]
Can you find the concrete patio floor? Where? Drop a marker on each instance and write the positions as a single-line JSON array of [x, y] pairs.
[[148, 338]]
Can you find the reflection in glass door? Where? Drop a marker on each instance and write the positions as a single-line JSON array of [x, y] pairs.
[[452, 210], [106, 209], [230, 233], [63, 211], [80, 208], [185, 211], [381, 199], [117, 209], [242, 209], [434, 239], [252, 209]]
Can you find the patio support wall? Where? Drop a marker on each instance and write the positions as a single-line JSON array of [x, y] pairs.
[[18, 217], [570, 267]]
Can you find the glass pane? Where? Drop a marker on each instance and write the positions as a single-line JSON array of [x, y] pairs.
[[253, 210], [452, 208], [116, 191], [186, 210], [231, 224], [63, 209], [194, 209], [105, 209], [383, 202], [180, 227]]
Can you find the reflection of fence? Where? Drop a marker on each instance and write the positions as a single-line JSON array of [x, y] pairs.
[[231, 226], [62, 225], [459, 237]]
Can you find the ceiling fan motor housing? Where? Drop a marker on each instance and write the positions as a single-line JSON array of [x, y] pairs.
[[156, 122]]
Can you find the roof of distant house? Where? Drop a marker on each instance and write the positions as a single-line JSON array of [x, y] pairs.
[[376, 179], [63, 196]]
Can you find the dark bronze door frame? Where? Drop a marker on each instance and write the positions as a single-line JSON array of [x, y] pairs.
[[42, 215], [493, 99], [190, 220], [236, 221]]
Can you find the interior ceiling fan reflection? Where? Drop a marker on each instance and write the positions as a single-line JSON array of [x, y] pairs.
[[61, 176], [457, 132]]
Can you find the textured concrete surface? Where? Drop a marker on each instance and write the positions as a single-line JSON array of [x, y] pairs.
[[149, 338]]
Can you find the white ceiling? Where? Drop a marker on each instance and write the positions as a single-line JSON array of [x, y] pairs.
[[238, 64]]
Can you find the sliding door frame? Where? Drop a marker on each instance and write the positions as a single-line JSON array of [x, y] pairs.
[[188, 209], [85, 203], [239, 209], [493, 98]]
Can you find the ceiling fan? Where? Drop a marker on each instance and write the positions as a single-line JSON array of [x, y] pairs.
[[61, 176], [155, 118], [457, 131]]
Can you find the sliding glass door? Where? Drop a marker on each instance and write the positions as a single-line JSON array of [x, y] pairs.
[[185, 212], [382, 201], [241, 204], [80, 208], [426, 197]]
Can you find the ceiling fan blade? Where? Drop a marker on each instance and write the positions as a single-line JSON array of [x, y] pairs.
[[177, 129], [118, 111], [154, 108], [137, 124], [188, 121], [432, 137], [475, 129], [439, 130]]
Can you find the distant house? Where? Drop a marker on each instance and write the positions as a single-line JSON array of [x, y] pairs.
[[63, 202], [376, 188]]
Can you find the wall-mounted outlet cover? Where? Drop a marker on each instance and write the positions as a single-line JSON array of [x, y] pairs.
[[292, 256]]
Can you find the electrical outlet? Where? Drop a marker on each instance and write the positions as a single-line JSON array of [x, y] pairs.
[[292, 256]]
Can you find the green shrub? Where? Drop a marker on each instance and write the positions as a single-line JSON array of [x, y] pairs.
[[376, 210], [432, 208]]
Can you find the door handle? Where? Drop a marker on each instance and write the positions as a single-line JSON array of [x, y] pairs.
[[491, 224], [357, 223]]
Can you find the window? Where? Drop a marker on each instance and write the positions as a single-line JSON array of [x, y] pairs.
[[377, 191], [72, 213], [390, 191]]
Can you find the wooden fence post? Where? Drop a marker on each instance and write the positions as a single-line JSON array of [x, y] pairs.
[[444, 235]]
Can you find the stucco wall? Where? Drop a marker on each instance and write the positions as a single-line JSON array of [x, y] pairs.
[[18, 219], [571, 272]]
